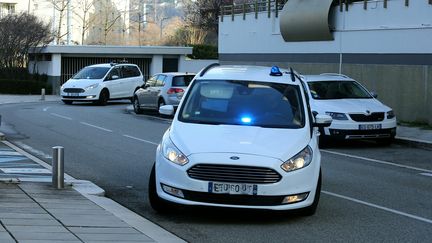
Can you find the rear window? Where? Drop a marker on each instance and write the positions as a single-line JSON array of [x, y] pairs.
[[182, 80]]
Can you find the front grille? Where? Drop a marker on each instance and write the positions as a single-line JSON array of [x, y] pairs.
[[233, 199], [373, 117], [234, 173], [73, 90]]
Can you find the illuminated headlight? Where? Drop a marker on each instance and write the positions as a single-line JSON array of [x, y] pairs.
[[295, 198], [390, 114], [337, 115], [91, 86], [299, 161], [172, 153]]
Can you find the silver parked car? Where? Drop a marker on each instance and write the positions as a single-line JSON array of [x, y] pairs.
[[161, 89]]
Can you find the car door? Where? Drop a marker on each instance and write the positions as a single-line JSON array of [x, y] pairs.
[[128, 81], [155, 91], [144, 93], [113, 83]]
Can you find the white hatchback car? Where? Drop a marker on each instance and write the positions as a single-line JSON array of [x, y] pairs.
[[356, 112], [102, 82], [242, 137]]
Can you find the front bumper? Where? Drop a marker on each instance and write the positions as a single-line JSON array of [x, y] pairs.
[[351, 130], [86, 96], [269, 196]]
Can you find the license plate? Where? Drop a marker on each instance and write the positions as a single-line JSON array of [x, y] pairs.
[[231, 188], [73, 94], [370, 126]]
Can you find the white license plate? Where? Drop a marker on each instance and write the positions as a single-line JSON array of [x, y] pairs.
[[73, 94], [369, 126], [232, 188]]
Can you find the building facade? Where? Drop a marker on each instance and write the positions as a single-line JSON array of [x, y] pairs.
[[384, 44]]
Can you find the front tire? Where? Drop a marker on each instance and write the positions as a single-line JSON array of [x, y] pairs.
[[103, 97], [136, 106], [158, 204]]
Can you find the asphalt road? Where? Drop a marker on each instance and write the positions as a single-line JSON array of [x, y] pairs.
[[369, 193]]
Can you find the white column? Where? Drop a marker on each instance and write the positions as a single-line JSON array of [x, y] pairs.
[[156, 64]]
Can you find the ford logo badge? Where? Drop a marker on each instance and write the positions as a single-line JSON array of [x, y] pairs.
[[234, 158]]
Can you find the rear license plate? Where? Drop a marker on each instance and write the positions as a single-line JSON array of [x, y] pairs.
[[370, 127], [231, 188]]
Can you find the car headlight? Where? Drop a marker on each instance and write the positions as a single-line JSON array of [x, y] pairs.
[[337, 115], [390, 114], [300, 160], [172, 153], [91, 86]]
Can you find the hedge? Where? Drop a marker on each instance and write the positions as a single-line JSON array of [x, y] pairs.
[[204, 52], [23, 87]]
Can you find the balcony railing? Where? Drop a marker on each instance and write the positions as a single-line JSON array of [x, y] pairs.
[[276, 6]]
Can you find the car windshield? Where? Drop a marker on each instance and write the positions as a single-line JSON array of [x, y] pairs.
[[182, 80], [247, 103], [327, 90], [91, 73]]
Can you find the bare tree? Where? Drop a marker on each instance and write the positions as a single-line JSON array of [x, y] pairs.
[[82, 12], [107, 18], [60, 6], [15, 45]]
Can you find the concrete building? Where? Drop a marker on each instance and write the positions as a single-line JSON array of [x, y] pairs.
[[60, 62], [385, 44]]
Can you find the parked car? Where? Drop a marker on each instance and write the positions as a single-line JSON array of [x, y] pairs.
[[356, 112], [241, 137], [161, 89], [102, 82]]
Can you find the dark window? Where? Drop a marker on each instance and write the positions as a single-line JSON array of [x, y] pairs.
[[114, 72], [182, 80], [327, 90], [130, 71]]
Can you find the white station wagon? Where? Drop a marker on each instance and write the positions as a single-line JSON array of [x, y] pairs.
[[356, 112], [242, 137], [102, 82]]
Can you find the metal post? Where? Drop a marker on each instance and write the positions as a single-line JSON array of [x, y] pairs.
[[58, 167], [42, 94]]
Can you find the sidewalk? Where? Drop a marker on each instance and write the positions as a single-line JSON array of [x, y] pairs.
[[33, 211]]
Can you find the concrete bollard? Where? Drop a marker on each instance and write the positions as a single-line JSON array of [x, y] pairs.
[[58, 167], [42, 94]]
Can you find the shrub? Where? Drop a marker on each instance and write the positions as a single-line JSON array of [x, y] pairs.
[[9, 86], [204, 52]]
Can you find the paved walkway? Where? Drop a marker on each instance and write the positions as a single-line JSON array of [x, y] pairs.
[[33, 211]]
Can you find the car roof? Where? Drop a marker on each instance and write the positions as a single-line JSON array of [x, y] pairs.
[[176, 73], [326, 77], [108, 65], [246, 72]]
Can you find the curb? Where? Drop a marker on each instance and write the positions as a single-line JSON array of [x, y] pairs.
[[417, 143]]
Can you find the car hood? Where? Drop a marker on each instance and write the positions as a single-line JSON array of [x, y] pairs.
[[80, 83], [281, 144], [348, 106]]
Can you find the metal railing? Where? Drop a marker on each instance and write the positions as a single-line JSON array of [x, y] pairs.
[[276, 6], [268, 6]]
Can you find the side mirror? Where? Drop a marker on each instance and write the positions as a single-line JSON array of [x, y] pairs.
[[374, 94], [322, 120], [167, 110], [114, 77]]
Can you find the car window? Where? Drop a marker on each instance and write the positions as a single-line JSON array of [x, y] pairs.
[[244, 103], [182, 80], [160, 81], [91, 73], [152, 81], [114, 72], [324, 90], [130, 71]]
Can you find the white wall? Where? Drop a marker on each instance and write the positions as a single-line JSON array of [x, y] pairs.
[[397, 29], [194, 66]]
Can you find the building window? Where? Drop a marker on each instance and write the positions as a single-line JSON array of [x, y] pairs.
[[6, 8]]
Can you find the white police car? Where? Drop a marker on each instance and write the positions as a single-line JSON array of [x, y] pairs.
[[356, 112], [102, 82], [242, 137]]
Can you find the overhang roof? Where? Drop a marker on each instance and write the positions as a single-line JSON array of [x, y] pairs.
[[128, 50]]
